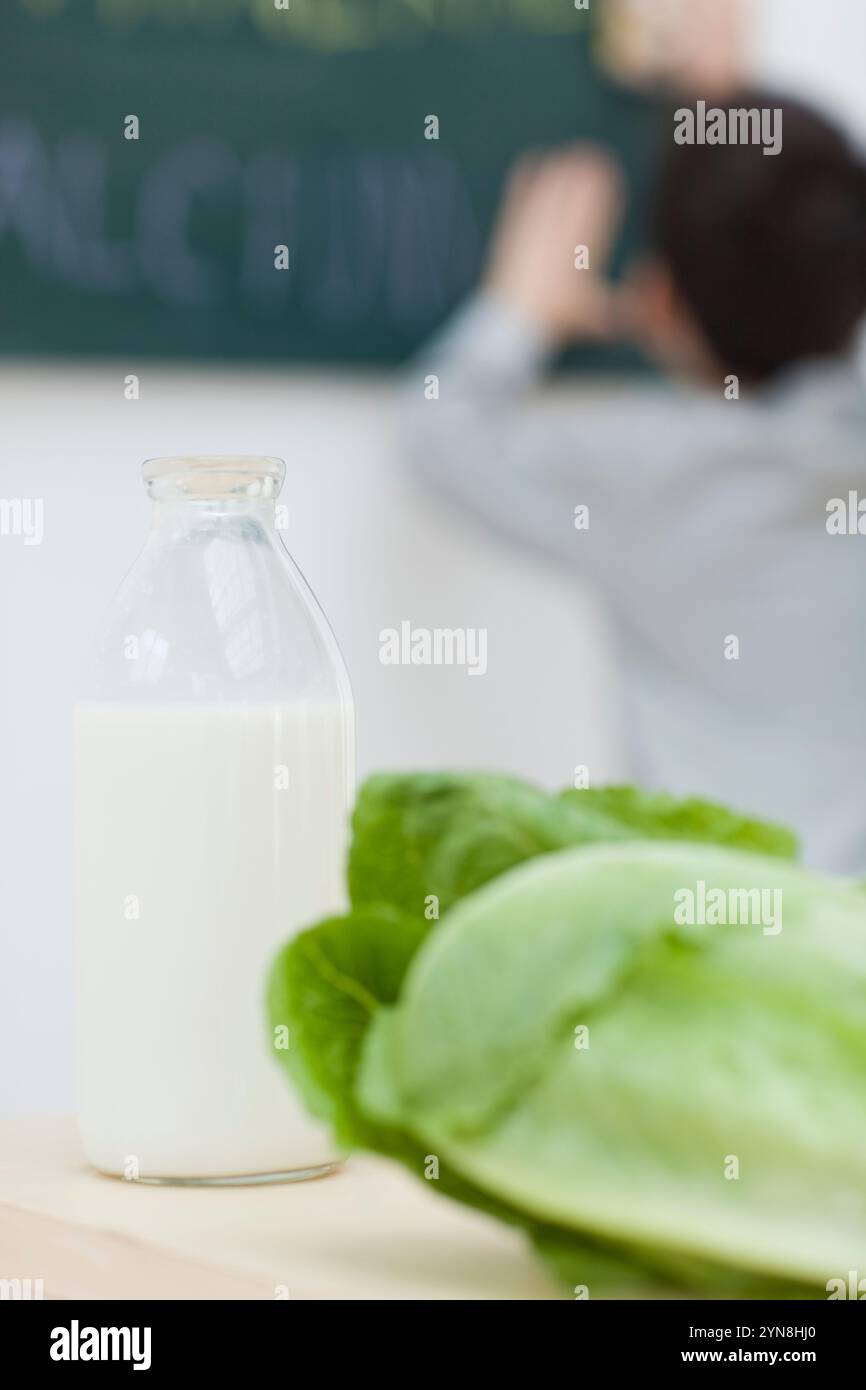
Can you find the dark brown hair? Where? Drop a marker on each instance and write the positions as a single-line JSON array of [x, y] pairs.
[[767, 251]]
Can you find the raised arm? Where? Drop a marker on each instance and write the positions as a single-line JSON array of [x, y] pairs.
[[466, 421]]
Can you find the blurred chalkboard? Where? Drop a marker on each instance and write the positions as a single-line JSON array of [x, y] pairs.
[[262, 126]]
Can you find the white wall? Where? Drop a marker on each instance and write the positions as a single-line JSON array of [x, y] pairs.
[[816, 50], [374, 551]]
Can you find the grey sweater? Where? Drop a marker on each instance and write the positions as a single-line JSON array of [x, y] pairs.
[[707, 522]]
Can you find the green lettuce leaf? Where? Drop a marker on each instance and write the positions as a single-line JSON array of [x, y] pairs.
[[656, 815], [421, 843], [325, 987], [443, 834], [707, 1046]]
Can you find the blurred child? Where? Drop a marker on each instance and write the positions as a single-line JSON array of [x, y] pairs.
[[738, 611]]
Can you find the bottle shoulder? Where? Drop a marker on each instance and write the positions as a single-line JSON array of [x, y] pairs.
[[219, 614]]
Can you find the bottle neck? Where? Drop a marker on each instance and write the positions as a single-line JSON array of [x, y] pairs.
[[180, 517]]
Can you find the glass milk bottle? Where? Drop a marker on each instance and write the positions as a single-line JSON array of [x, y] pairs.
[[214, 772]]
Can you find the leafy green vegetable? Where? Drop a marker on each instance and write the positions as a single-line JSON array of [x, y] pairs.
[[655, 815], [325, 986], [445, 834], [709, 1046], [434, 837], [422, 843]]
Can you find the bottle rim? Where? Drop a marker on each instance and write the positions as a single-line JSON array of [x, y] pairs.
[[214, 475]]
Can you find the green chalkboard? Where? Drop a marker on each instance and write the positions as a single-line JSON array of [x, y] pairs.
[[263, 124]]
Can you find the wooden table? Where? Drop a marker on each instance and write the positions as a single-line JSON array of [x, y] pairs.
[[369, 1231]]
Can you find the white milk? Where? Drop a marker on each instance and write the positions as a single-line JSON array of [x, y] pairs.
[[195, 863]]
